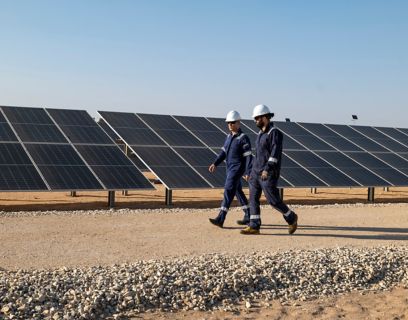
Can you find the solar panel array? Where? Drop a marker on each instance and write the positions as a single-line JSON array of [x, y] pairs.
[[54, 149], [179, 149]]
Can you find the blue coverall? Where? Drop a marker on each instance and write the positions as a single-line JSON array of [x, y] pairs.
[[268, 158], [238, 156]]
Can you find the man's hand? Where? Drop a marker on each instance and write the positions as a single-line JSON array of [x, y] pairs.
[[264, 175], [212, 168], [245, 177]]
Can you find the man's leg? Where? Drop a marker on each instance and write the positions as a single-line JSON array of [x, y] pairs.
[[244, 204], [230, 189], [273, 197], [255, 191]]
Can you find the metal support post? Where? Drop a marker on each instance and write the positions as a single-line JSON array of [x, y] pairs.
[[313, 190], [281, 193], [370, 194], [125, 193], [73, 193], [169, 197], [111, 199], [386, 189]]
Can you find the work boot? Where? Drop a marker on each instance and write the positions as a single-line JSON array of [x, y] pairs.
[[292, 227], [249, 230], [217, 222], [243, 222]]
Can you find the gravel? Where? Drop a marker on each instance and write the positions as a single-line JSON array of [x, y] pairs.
[[209, 282]]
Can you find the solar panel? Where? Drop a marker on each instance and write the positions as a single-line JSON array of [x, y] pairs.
[[131, 129], [17, 171], [203, 130], [394, 160], [297, 175], [352, 168], [386, 172], [170, 130], [356, 138], [322, 169], [44, 141], [200, 159], [6, 133], [101, 154], [395, 134], [381, 139], [330, 137], [302, 136], [20, 178]]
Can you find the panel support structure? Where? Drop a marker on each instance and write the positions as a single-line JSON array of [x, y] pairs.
[[169, 197], [73, 194], [125, 193], [111, 199], [386, 189], [313, 190], [371, 194]]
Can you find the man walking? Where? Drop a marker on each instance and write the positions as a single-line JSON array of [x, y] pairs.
[[238, 156], [266, 171]]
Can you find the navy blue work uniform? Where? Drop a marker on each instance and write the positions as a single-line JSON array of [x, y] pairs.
[[268, 158], [238, 156]]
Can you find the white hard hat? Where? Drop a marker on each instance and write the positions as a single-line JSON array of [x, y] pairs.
[[233, 116], [261, 110]]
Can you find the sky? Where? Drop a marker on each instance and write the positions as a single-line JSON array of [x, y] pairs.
[[310, 61]]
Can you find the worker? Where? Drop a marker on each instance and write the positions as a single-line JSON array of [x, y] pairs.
[[238, 156], [265, 172]]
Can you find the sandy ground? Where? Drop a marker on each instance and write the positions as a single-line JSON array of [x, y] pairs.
[[51, 241]]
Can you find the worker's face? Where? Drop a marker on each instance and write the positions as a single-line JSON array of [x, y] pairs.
[[233, 126], [261, 121]]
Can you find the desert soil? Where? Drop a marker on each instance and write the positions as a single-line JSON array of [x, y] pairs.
[[141, 231]]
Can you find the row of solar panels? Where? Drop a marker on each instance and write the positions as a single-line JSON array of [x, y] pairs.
[[54, 149], [179, 149]]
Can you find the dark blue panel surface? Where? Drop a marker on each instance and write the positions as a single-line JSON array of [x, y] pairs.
[[6, 134], [220, 124], [54, 154], [66, 117], [70, 178], [298, 176], [203, 130], [121, 177], [380, 168], [20, 177], [103, 155], [180, 177], [356, 138], [303, 136], [39, 133], [321, 168], [27, 115], [381, 139], [13, 153], [330, 137], [352, 169], [395, 134]]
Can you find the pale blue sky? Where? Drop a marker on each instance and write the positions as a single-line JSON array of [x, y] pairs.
[[312, 61]]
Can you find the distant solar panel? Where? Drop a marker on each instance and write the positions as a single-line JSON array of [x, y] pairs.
[[330, 137], [357, 138], [381, 139], [352, 168], [99, 151], [382, 169], [395, 134], [203, 130], [320, 168]]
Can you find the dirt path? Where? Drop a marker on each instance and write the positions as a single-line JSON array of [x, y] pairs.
[[52, 240]]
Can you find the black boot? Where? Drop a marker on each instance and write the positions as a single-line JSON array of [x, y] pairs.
[[219, 221]]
